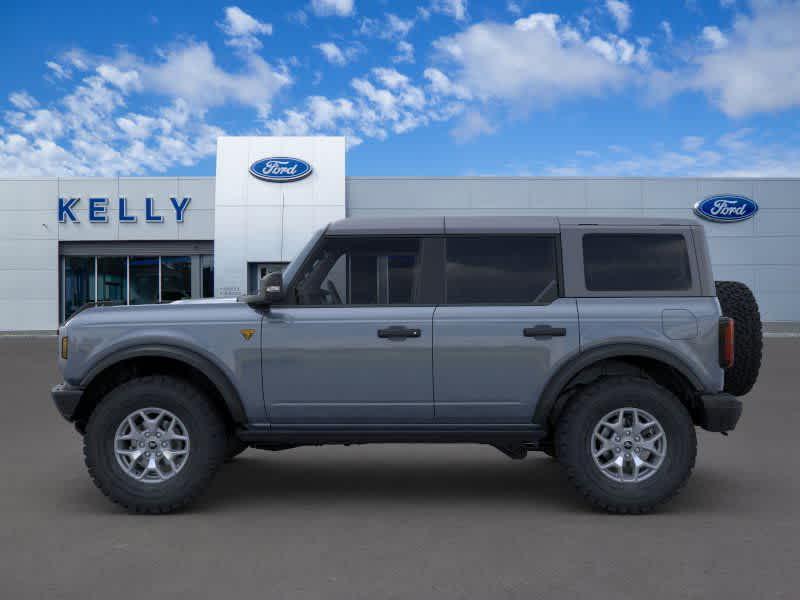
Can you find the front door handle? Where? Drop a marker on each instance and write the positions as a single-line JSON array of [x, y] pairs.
[[544, 331], [398, 332]]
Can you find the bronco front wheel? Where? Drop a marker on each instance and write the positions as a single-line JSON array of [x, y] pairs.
[[154, 443]]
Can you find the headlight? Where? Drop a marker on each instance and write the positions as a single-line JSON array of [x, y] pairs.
[[65, 347]]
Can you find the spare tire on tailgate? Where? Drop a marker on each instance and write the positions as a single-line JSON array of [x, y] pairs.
[[738, 303]]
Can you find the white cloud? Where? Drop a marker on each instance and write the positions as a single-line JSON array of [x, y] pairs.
[[190, 72], [22, 100], [336, 55], [58, 70], [727, 3], [127, 80], [537, 60], [514, 8], [391, 27], [339, 8], [243, 29], [453, 8], [405, 52], [385, 101], [666, 27], [715, 37], [89, 130], [692, 143], [441, 84], [472, 124], [758, 70], [621, 11], [735, 154], [398, 27]]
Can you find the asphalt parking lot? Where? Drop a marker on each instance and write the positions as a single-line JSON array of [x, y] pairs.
[[398, 521]]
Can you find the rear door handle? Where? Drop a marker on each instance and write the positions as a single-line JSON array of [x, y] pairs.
[[398, 332], [544, 331]]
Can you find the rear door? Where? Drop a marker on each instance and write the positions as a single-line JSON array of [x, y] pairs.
[[502, 328]]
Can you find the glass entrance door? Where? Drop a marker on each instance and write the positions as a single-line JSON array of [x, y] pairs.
[[79, 282], [134, 280]]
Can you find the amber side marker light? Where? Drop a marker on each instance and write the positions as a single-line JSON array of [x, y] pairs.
[[726, 342], [64, 347]]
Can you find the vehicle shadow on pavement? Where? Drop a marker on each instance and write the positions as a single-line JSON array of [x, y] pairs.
[[536, 481], [259, 480], [254, 480]]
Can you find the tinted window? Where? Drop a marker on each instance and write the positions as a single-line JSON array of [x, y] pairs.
[[503, 269], [630, 262], [361, 271]]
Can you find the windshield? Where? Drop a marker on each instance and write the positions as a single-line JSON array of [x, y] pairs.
[[291, 269]]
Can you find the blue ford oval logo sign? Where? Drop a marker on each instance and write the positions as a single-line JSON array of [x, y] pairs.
[[726, 209], [280, 169]]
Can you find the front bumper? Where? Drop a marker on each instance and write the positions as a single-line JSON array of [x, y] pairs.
[[719, 412], [66, 399]]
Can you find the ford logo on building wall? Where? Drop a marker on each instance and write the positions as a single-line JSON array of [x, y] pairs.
[[280, 169], [726, 209]]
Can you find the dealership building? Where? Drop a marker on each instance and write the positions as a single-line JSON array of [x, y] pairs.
[[133, 240]]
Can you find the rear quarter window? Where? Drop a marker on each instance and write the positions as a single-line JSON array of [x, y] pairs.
[[636, 262]]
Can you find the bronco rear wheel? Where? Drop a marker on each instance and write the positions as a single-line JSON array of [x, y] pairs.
[[627, 444], [154, 443], [738, 302]]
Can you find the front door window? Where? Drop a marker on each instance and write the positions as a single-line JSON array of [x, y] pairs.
[[362, 271]]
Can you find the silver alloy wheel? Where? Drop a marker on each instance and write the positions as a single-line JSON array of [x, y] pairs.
[[628, 445], [151, 445]]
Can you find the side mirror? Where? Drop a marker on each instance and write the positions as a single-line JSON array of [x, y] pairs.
[[270, 291], [271, 288]]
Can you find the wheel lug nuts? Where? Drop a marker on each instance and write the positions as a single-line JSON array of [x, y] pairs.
[[617, 449], [158, 434], [617, 438], [627, 432], [627, 455], [141, 444], [163, 444], [637, 438], [636, 450]]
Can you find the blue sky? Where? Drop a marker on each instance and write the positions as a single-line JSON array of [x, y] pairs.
[[435, 87]]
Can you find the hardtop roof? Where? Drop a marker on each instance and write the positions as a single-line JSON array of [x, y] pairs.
[[488, 224]]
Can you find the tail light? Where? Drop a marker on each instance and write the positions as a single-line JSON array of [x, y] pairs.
[[726, 340]]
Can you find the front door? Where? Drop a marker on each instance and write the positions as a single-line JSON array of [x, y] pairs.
[[502, 329], [354, 344]]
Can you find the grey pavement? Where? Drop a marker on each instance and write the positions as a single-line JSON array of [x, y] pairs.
[[398, 521]]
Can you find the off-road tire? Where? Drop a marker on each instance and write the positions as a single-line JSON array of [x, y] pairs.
[[207, 438], [738, 302], [234, 446], [576, 426]]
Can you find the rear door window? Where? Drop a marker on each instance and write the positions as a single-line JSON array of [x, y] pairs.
[[501, 270], [636, 262]]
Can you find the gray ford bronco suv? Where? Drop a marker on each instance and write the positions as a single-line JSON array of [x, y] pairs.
[[602, 342]]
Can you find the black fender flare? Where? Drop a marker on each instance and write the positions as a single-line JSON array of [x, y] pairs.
[[215, 374], [552, 390]]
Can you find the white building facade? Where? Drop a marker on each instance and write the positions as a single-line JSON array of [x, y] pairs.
[[133, 240]]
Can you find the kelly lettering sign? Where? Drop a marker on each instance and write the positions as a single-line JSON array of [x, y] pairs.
[[98, 210]]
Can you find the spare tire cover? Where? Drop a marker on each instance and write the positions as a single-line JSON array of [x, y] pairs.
[[738, 303]]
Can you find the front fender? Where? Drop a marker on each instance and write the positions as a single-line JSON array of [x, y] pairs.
[[215, 373]]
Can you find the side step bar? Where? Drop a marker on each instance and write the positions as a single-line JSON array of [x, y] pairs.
[[315, 435]]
